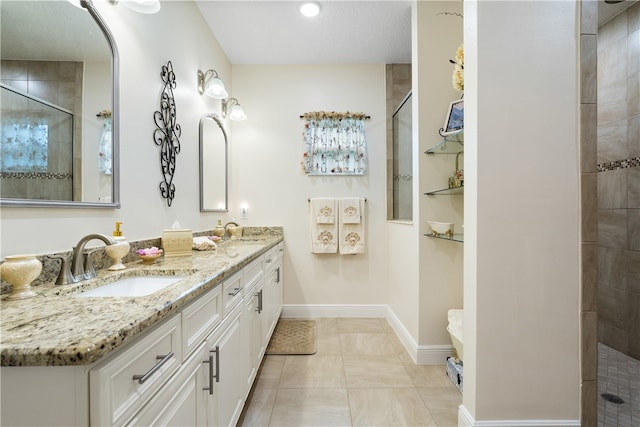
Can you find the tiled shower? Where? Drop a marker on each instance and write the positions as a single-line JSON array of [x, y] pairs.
[[41, 129], [618, 174]]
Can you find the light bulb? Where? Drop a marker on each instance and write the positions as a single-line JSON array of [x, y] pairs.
[[215, 88], [237, 113], [310, 9]]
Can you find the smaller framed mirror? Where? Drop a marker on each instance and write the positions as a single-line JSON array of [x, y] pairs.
[[213, 165]]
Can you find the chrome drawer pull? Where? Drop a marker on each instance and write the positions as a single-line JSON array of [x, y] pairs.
[[235, 292], [210, 362], [259, 295], [278, 275], [217, 375], [163, 359], [268, 261]]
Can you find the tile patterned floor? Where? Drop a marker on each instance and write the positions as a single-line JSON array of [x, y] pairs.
[[361, 375], [618, 374]]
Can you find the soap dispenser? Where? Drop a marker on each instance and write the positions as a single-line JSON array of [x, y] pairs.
[[118, 250], [219, 230]]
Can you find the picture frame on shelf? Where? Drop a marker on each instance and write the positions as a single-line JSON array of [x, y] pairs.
[[454, 121]]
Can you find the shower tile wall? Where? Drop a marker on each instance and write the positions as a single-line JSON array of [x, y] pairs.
[[589, 212], [60, 83], [398, 81], [618, 159]]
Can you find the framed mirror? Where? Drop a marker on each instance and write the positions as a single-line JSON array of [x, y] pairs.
[[59, 106], [213, 165], [403, 161]]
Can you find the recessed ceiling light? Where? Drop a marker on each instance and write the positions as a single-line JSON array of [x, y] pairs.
[[310, 9]]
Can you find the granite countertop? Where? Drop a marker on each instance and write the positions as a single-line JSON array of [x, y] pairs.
[[57, 328]]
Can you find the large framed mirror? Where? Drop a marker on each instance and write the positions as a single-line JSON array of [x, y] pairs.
[[213, 165], [59, 143]]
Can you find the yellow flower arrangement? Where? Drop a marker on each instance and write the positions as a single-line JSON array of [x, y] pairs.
[[458, 70]]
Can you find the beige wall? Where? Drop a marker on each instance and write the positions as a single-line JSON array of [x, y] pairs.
[[145, 46], [266, 150], [522, 212], [521, 191]]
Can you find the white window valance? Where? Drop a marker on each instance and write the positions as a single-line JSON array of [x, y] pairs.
[[335, 143]]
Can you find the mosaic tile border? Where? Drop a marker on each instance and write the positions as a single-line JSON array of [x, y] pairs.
[[619, 164], [35, 175]]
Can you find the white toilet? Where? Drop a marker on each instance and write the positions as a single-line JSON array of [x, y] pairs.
[[454, 328]]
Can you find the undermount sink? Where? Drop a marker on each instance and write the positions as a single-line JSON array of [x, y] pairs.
[[136, 286]]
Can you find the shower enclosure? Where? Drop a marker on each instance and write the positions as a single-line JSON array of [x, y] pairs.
[[36, 148]]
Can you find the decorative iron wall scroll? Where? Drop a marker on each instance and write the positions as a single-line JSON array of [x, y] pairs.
[[168, 133], [335, 143]]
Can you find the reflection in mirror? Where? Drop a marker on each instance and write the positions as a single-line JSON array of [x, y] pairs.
[[403, 161], [59, 106], [213, 165]]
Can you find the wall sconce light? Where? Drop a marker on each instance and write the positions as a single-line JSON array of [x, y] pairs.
[[141, 6], [209, 82], [232, 108]]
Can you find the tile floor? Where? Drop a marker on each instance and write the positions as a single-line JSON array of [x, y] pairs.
[[361, 375], [618, 374]]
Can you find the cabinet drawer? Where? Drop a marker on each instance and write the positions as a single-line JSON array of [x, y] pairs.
[[121, 385], [232, 291], [272, 257], [200, 318], [180, 402], [253, 273]]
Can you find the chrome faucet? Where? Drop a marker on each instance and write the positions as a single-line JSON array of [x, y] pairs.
[[81, 263], [226, 231]]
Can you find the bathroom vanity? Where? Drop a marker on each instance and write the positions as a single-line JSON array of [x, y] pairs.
[[185, 355]]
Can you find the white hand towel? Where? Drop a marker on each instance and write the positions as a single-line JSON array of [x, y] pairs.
[[324, 235], [324, 210], [203, 244], [350, 210], [352, 235]]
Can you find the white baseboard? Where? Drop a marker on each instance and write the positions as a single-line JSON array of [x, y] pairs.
[[434, 354], [309, 311], [466, 420], [464, 417], [421, 355]]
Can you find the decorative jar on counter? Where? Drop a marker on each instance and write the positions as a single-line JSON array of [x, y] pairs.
[[20, 271]]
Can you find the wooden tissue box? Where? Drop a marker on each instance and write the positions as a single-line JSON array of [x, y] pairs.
[[177, 242]]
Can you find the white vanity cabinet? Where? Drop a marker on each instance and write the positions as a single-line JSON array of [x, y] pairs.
[[196, 368], [180, 402], [254, 312], [273, 291], [224, 361], [121, 385]]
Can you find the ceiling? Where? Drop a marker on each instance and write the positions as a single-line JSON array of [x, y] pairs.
[[250, 32], [50, 31], [345, 32]]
